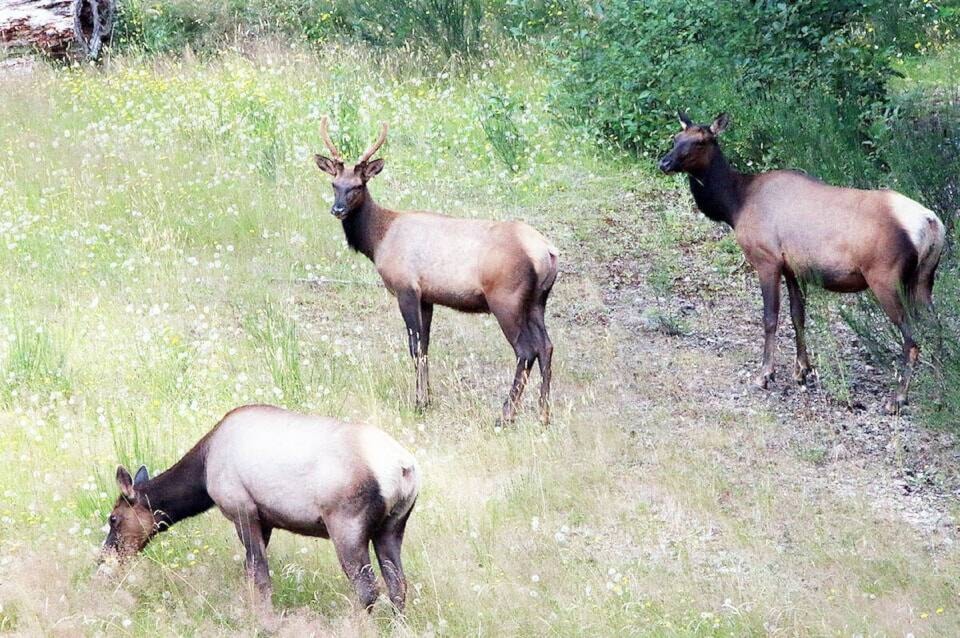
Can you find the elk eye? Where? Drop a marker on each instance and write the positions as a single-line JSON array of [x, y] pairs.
[[113, 519]]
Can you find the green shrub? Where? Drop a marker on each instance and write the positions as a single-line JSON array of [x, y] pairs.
[[35, 364], [526, 19], [454, 27], [278, 342], [640, 61], [497, 117], [172, 25], [447, 27], [921, 147]]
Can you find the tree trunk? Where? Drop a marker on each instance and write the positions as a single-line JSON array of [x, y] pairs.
[[60, 28]]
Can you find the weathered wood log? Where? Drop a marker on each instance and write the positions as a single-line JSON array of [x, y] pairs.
[[59, 28]]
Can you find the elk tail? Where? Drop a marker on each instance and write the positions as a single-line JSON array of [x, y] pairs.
[[547, 273]]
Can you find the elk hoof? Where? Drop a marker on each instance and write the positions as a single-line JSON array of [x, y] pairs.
[[763, 381], [895, 405], [801, 375]]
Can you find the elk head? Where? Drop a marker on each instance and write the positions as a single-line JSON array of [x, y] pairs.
[[349, 182], [131, 521], [694, 146]]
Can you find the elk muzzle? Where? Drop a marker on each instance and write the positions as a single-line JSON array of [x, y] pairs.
[[339, 211], [668, 164]]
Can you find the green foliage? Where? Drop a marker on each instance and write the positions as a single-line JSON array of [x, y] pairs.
[[628, 74], [452, 26], [175, 24], [526, 19], [278, 342], [34, 364], [460, 28], [497, 115], [921, 147]]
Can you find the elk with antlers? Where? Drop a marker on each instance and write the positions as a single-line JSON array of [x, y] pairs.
[[501, 267], [795, 227]]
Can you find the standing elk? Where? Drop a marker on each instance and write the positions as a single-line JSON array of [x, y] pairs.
[[476, 266], [267, 468], [793, 226]]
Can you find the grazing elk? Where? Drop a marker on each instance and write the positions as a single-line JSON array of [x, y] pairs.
[[793, 226], [268, 468], [504, 268]]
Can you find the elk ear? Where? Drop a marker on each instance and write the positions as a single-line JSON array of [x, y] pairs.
[[125, 483], [142, 476], [371, 169], [720, 124], [327, 165], [685, 122]]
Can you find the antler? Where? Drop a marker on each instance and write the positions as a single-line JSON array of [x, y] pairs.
[[325, 134], [367, 154]]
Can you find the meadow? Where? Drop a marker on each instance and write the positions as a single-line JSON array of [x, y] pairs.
[[168, 254]]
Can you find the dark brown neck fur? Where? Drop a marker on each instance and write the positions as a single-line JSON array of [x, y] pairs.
[[719, 189], [181, 491], [366, 226]]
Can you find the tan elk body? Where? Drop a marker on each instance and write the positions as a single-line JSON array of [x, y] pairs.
[[426, 259], [794, 227], [266, 468]]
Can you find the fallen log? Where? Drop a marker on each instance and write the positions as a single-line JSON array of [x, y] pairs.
[[59, 28]]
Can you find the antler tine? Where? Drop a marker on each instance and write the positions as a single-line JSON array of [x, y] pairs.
[[367, 154], [325, 134]]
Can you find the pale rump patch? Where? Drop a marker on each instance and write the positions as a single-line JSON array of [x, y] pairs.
[[922, 225], [543, 254], [393, 467]]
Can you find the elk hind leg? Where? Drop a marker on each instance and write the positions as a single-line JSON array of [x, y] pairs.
[[544, 349], [770, 291], [891, 299], [252, 535], [513, 320], [412, 309], [386, 544], [352, 543], [798, 317]]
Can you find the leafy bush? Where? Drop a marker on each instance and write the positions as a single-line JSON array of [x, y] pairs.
[[641, 61], [498, 119], [452, 26], [526, 19], [921, 148], [447, 27], [175, 24]]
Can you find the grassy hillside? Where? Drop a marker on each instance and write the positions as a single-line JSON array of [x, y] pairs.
[[167, 255]]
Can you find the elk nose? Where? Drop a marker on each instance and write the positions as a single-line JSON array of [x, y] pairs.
[[338, 210], [665, 164]]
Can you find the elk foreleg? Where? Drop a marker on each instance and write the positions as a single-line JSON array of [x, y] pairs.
[[770, 290], [418, 337], [798, 316]]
